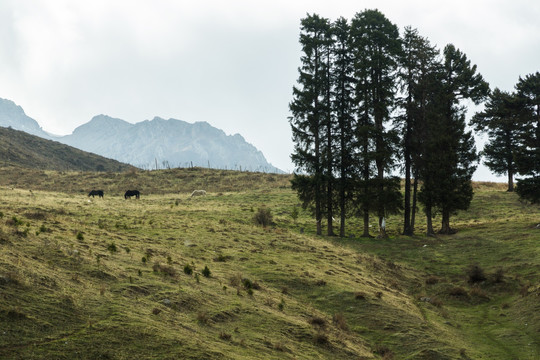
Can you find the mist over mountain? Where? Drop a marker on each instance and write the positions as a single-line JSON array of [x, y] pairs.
[[151, 143]]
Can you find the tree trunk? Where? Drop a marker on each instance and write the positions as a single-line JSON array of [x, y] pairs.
[[510, 181], [366, 224], [429, 222], [413, 210], [407, 229], [445, 225], [342, 203]]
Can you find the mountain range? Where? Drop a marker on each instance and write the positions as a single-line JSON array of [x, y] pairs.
[[150, 144]]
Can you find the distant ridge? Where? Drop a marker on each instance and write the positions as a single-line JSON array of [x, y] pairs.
[[150, 144], [167, 143], [22, 149]]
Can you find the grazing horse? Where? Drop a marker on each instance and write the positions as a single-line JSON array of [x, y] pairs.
[[96, 192], [131, 193]]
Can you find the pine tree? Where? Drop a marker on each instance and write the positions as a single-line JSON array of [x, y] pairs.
[[417, 62], [343, 112], [528, 155], [376, 46], [449, 154], [501, 120], [309, 109]]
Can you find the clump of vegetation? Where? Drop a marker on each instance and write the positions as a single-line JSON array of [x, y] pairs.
[[15, 221], [432, 280], [263, 217], [80, 236], [339, 321], [206, 272], [317, 321], [164, 269], [475, 274], [188, 270], [112, 248], [202, 317], [281, 305], [294, 214], [225, 336], [458, 291], [321, 338], [498, 276]]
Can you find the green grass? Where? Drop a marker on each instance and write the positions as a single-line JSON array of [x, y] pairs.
[[273, 291]]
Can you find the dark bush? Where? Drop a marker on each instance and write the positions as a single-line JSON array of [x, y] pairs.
[[206, 272], [458, 291], [263, 217], [476, 274], [188, 270]]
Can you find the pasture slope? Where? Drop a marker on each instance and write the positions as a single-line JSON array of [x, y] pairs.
[[174, 277]]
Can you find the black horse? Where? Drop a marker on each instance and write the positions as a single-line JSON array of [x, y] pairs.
[[131, 193], [96, 193]]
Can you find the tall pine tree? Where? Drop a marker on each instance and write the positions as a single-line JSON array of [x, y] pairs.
[[528, 155], [449, 153], [376, 47], [417, 62], [501, 120], [309, 110], [343, 112]]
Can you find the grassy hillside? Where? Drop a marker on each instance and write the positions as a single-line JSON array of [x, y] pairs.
[[29, 151], [109, 278]]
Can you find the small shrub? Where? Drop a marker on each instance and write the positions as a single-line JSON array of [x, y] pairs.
[[16, 221], [360, 295], [222, 258], [263, 217], [294, 214], [225, 336], [458, 291], [169, 260], [112, 248], [321, 338], [247, 284], [188, 270], [127, 250], [320, 283], [285, 290], [164, 269], [384, 352], [379, 294], [236, 280], [475, 274], [432, 280], [281, 305], [203, 318], [339, 321], [479, 293], [156, 311], [317, 321], [144, 259], [498, 276], [206, 272], [80, 236]]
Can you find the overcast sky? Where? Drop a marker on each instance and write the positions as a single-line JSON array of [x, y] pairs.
[[230, 63]]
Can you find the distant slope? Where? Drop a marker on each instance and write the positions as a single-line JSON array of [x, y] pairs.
[[22, 149], [169, 143], [12, 115]]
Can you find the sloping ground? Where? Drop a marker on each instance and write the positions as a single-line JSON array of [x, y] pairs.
[[28, 151], [106, 278]]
